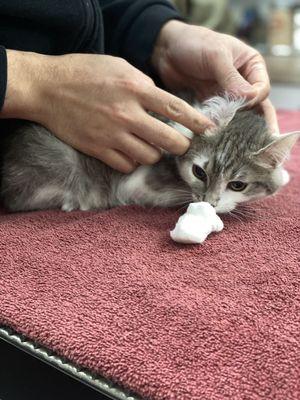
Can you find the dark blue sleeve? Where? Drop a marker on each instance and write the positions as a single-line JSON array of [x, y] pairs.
[[132, 26], [3, 75]]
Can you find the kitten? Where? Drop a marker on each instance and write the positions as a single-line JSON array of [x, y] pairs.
[[237, 161]]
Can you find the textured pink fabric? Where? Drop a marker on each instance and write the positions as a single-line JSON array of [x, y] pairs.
[[111, 292]]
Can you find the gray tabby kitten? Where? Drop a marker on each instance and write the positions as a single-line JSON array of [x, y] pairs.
[[237, 161]]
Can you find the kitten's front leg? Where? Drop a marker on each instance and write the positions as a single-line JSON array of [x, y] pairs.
[[90, 199], [68, 207], [69, 203]]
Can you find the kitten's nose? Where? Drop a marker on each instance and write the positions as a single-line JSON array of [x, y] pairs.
[[212, 202]]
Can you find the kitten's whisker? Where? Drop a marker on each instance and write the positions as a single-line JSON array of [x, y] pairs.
[[180, 198], [252, 206], [183, 207], [182, 190], [235, 216], [245, 212], [181, 203], [245, 207], [175, 198], [253, 211], [246, 215]]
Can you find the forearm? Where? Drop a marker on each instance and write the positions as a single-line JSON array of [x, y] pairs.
[[164, 40], [26, 76]]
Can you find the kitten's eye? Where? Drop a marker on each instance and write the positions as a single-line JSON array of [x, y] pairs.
[[237, 186], [199, 173]]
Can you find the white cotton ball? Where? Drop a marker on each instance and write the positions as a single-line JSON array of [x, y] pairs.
[[281, 176], [285, 176], [196, 224]]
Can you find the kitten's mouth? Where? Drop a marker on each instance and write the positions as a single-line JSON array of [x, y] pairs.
[[197, 197]]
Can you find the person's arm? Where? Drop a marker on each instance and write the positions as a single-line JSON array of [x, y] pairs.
[[97, 104], [21, 92], [132, 26], [3, 75]]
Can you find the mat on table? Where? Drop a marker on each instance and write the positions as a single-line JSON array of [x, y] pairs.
[[110, 293]]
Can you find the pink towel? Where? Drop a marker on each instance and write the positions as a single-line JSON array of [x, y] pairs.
[[111, 292]]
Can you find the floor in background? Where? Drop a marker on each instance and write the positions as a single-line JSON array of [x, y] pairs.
[[23, 377], [285, 97]]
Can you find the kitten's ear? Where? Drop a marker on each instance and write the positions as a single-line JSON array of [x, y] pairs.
[[276, 152], [221, 109]]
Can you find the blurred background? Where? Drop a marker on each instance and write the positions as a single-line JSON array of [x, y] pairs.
[[271, 26]]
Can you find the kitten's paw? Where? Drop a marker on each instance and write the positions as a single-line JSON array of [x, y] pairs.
[[67, 207], [285, 177], [84, 207], [281, 176]]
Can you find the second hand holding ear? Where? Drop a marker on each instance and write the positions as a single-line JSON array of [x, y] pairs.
[[187, 56]]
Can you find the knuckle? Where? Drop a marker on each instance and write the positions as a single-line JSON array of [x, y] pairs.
[[174, 107], [219, 52], [130, 85], [149, 81], [122, 62], [231, 76], [257, 56], [121, 114]]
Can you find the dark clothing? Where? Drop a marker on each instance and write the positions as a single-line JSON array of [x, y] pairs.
[[124, 28]]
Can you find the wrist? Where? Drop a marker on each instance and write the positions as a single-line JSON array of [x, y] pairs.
[[25, 84], [163, 42]]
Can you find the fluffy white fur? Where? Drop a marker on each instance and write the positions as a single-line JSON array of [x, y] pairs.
[[218, 109], [221, 110]]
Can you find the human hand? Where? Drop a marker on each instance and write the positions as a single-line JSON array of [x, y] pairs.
[[98, 104], [187, 56]]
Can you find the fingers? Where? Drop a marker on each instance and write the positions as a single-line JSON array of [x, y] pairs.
[[255, 72], [138, 149], [172, 107], [230, 79], [117, 160], [161, 135], [269, 112], [251, 80]]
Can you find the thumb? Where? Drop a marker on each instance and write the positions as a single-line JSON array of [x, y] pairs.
[[231, 80]]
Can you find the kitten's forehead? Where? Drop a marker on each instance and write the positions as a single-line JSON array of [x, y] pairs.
[[226, 154], [233, 168], [201, 160], [245, 134]]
